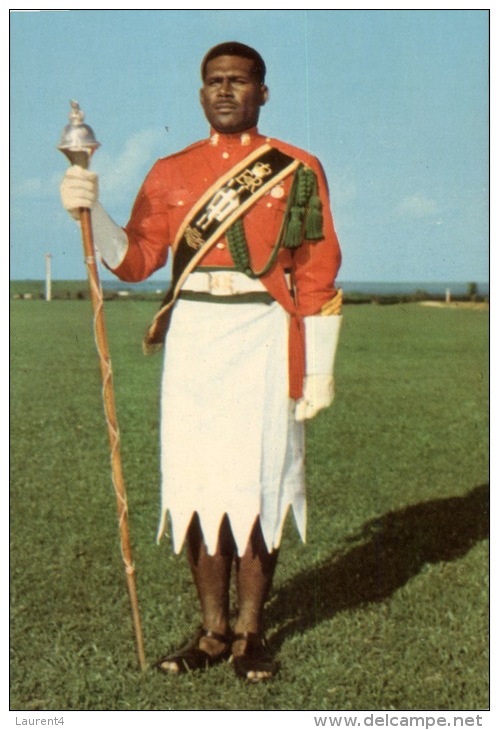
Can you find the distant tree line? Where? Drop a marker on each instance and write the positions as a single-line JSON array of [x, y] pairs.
[[76, 291]]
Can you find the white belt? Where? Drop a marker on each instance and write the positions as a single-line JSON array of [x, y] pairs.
[[222, 283]]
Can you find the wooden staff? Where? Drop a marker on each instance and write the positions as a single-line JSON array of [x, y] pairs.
[[78, 144]]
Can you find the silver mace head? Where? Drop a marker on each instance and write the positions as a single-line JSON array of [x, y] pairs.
[[78, 141]]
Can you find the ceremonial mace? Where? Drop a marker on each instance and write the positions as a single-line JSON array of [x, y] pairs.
[[78, 143]]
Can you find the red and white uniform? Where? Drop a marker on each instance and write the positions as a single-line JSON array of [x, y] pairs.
[[230, 444]]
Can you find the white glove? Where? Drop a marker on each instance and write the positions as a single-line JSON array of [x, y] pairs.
[[79, 189], [321, 342], [318, 393], [110, 240]]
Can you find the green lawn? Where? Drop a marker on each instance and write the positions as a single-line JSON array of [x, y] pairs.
[[386, 607]]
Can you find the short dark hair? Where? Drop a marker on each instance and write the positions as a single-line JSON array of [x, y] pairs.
[[233, 48]]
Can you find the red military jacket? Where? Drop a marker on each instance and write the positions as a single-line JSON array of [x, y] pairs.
[[173, 186]]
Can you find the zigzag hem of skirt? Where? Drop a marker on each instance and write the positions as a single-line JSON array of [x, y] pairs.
[[241, 527]]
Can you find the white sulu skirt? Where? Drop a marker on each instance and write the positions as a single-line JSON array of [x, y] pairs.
[[229, 441]]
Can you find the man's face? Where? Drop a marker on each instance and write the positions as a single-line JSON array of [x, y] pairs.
[[231, 95]]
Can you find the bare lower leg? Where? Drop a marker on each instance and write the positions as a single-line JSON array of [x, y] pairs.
[[211, 574], [255, 571]]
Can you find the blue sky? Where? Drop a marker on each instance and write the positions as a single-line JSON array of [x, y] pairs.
[[394, 103]]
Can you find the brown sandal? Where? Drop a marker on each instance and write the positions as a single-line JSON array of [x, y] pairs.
[[256, 658], [191, 657]]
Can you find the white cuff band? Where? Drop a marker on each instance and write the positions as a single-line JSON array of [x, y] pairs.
[[321, 342], [110, 240]]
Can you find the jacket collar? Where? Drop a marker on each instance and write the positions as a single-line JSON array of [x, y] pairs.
[[242, 139]]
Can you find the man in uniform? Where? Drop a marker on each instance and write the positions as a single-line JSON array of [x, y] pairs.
[[252, 321]]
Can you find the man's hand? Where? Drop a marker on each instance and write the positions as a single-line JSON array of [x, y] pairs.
[[318, 393], [79, 189]]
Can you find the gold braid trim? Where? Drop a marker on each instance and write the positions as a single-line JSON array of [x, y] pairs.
[[334, 305]]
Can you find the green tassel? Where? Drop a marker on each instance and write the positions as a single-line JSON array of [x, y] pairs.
[[303, 219], [293, 236], [238, 248], [313, 220], [304, 185]]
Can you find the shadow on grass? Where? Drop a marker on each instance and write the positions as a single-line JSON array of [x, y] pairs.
[[381, 558]]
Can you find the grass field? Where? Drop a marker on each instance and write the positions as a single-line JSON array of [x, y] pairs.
[[386, 607]]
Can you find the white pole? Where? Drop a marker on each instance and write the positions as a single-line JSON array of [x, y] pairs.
[[48, 277]]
